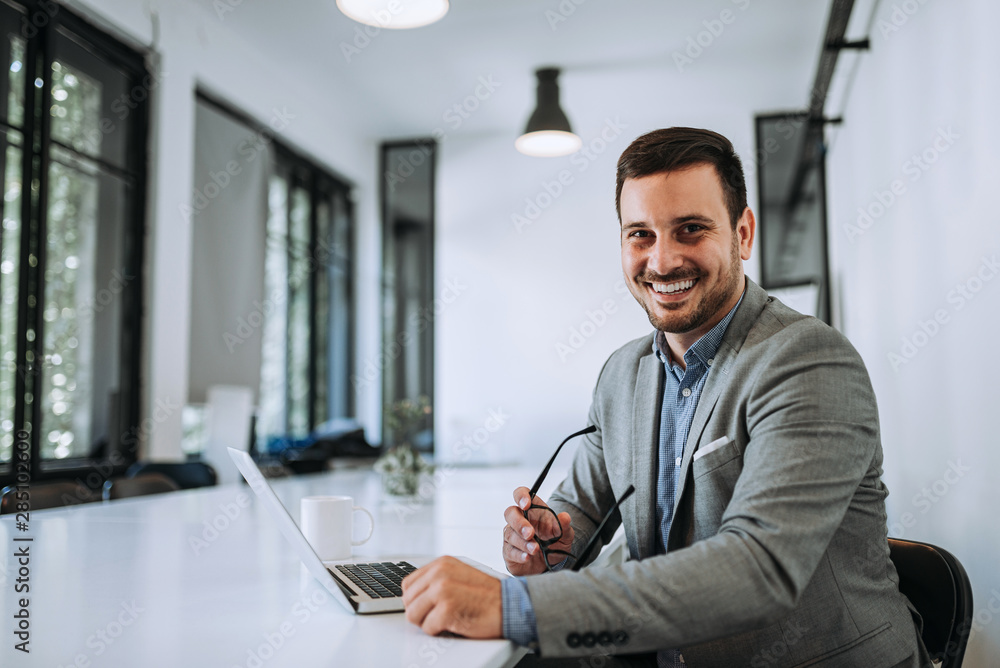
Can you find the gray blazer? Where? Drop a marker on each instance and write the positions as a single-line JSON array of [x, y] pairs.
[[777, 554]]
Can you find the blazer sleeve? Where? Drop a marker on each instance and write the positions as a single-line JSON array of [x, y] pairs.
[[586, 493], [812, 428]]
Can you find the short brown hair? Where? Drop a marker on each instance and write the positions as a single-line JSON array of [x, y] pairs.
[[676, 148]]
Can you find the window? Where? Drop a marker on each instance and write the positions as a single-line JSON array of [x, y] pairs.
[[307, 355], [408, 279], [272, 277], [73, 122], [791, 221]]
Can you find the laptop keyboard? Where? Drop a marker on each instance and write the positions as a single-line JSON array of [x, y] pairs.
[[378, 580]]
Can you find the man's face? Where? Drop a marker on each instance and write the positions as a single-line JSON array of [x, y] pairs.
[[680, 254]]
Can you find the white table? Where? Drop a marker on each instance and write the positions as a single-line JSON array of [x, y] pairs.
[[151, 582]]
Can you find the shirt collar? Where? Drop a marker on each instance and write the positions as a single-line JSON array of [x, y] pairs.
[[705, 348]]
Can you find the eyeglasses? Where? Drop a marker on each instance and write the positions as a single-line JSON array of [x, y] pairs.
[[544, 544]]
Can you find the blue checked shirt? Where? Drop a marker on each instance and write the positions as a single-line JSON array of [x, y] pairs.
[[681, 391]]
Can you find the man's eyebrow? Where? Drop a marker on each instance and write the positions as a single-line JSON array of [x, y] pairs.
[[692, 218], [633, 224]]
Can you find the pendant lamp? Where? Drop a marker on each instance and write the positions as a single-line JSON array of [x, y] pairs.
[[548, 133], [394, 14]]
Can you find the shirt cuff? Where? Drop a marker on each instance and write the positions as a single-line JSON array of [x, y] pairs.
[[518, 614]]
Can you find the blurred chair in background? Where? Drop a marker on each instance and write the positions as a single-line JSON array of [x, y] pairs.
[[187, 475], [140, 485], [49, 495]]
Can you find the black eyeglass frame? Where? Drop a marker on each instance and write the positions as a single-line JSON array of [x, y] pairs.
[[543, 544]]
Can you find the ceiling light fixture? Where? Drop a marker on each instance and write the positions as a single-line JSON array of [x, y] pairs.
[[394, 14], [548, 133]]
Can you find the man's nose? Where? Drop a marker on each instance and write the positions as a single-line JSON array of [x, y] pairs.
[[664, 257]]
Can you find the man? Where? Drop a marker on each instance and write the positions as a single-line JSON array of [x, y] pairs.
[[757, 531]]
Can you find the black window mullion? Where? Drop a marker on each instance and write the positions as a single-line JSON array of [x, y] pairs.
[[345, 193], [130, 396], [313, 277], [290, 263], [29, 366]]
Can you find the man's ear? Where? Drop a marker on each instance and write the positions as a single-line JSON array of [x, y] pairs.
[[746, 227]]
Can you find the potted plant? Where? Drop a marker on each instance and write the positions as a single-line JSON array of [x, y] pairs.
[[401, 466]]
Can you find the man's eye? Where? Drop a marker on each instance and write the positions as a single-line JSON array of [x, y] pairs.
[[693, 228], [639, 233]]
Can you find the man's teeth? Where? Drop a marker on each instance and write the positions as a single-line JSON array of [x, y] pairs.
[[670, 288]]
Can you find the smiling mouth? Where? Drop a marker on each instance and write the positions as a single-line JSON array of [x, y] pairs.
[[675, 288]]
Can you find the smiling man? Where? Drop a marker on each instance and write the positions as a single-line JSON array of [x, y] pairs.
[[757, 530]]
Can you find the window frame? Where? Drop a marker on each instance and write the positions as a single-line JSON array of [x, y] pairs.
[[35, 164], [316, 179], [392, 333]]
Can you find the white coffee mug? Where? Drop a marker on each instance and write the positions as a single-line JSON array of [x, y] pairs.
[[326, 522]]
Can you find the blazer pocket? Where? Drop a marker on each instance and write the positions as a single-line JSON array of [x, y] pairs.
[[714, 459]]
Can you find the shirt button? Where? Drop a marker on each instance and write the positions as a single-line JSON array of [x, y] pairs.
[[678, 461], [686, 391], [710, 360]]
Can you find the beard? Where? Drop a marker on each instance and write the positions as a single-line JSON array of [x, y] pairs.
[[701, 312]]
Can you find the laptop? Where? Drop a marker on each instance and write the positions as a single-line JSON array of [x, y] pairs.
[[364, 588]]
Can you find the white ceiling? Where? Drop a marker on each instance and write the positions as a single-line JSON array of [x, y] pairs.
[[616, 56]]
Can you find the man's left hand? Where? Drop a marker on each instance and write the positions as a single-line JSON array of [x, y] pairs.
[[448, 595]]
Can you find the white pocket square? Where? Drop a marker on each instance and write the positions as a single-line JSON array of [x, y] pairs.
[[711, 447]]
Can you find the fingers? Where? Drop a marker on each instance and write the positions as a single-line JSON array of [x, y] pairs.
[[522, 497], [517, 550], [539, 521], [517, 522]]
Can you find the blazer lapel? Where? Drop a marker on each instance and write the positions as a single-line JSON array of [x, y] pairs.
[[718, 377], [645, 423]]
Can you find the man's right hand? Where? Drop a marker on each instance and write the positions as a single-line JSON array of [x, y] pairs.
[[521, 552]]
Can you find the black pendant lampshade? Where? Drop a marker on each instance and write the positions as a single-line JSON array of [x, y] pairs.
[[548, 133]]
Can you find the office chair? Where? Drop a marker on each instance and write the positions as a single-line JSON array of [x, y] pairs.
[[187, 475], [140, 485], [48, 495], [938, 587]]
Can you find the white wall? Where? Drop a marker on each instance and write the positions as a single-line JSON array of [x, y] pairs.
[[929, 86], [195, 49]]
